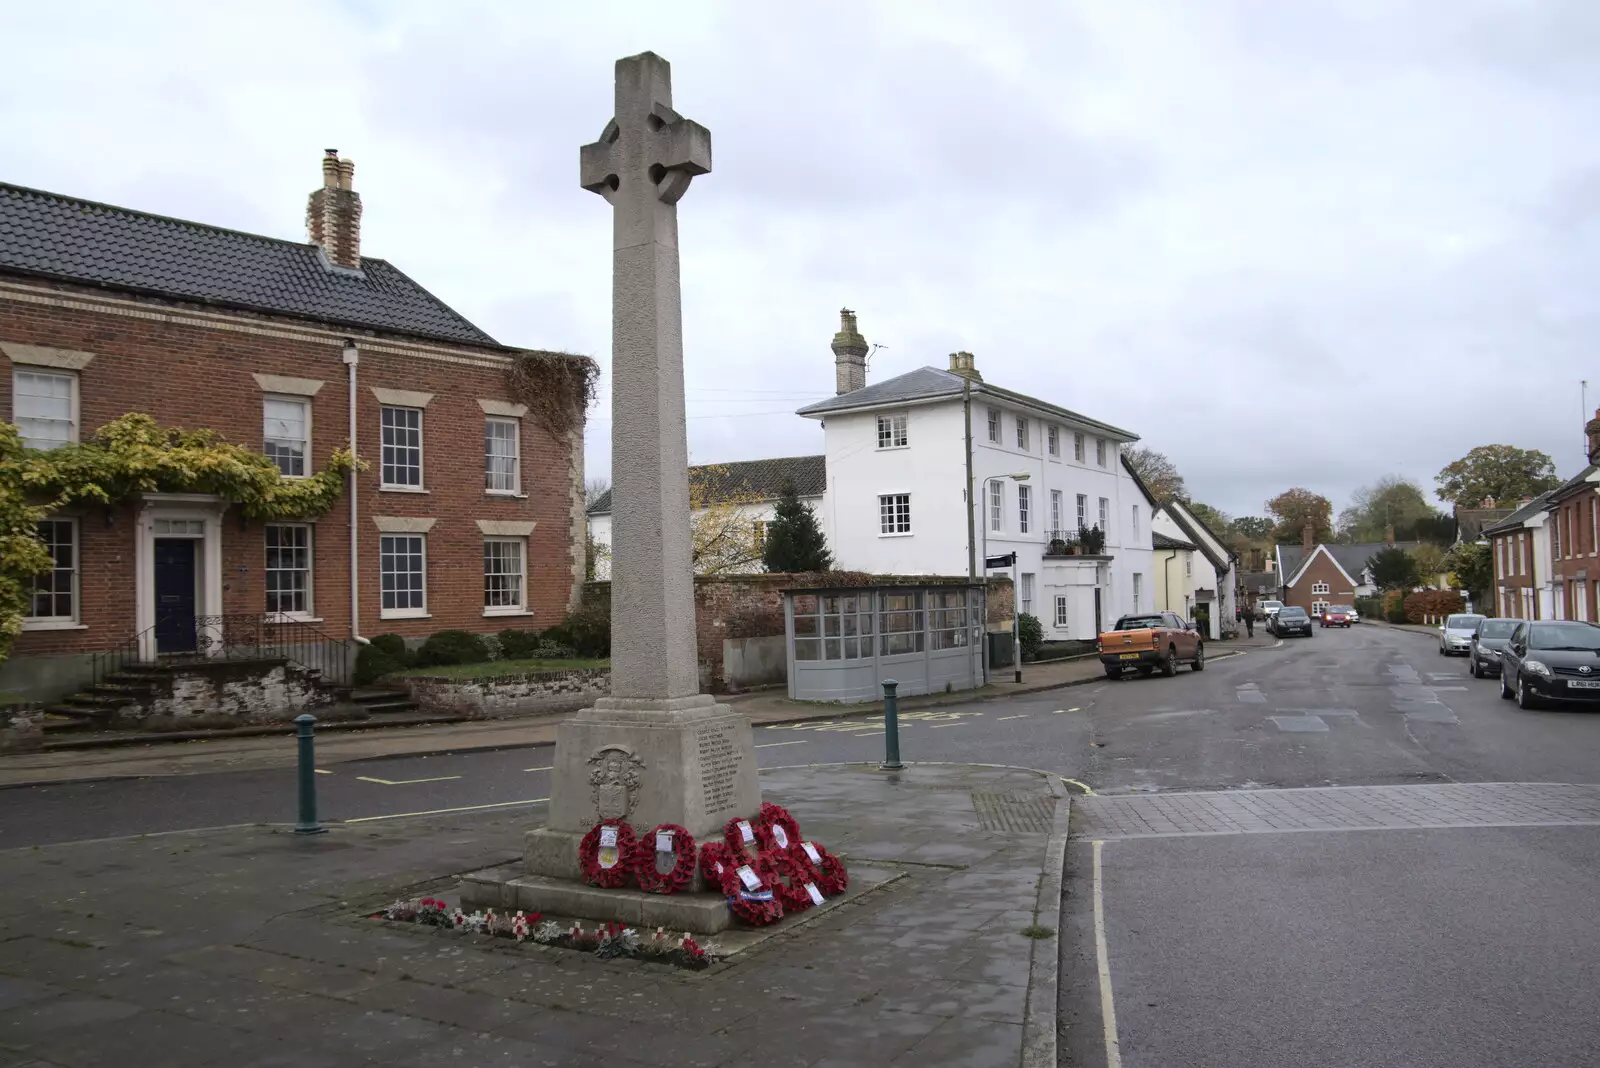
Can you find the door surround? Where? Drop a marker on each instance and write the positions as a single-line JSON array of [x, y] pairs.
[[188, 509]]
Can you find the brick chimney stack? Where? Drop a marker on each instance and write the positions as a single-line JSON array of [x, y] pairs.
[[962, 363], [1308, 537], [333, 214], [1591, 430], [849, 354]]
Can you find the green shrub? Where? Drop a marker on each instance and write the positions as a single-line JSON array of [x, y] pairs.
[[517, 644], [551, 651], [452, 647], [1031, 633], [587, 631], [393, 646], [373, 662]]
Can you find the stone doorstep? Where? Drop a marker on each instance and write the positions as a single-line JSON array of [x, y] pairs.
[[567, 902]]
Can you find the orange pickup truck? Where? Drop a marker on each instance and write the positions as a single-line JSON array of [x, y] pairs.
[[1146, 642]]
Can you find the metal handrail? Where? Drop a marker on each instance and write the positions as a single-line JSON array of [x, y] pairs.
[[266, 636]]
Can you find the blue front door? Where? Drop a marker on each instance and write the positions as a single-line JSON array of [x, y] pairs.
[[174, 560]]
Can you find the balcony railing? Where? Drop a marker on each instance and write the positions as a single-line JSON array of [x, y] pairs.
[[1079, 542]]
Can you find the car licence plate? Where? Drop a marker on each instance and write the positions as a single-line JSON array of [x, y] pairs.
[[1583, 684], [1135, 656]]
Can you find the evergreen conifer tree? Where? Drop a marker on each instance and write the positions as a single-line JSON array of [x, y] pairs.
[[794, 540]]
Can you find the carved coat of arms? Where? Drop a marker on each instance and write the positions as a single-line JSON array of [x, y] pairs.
[[614, 776]]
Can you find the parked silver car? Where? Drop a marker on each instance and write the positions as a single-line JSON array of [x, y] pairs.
[[1455, 634], [1488, 642]]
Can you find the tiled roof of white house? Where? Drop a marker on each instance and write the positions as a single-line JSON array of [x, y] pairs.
[[932, 383], [747, 481]]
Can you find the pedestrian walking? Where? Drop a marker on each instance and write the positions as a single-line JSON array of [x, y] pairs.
[[1249, 624]]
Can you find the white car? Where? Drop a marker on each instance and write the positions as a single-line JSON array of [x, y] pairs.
[[1268, 608], [1355, 617]]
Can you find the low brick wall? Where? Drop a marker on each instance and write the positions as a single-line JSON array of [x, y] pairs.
[[503, 696]]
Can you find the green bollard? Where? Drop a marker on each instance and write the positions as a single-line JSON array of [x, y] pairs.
[[307, 726], [891, 727]]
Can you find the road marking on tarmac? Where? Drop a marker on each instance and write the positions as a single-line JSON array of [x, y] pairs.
[[1023, 716], [1108, 1007], [772, 745], [538, 769], [404, 782], [442, 811], [1059, 711], [320, 771]]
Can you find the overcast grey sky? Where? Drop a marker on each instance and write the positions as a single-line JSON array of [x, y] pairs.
[[1286, 243]]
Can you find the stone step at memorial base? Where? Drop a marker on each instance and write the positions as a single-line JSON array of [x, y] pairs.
[[508, 888]]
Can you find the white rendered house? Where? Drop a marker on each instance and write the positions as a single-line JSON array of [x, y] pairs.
[[1202, 582], [932, 471]]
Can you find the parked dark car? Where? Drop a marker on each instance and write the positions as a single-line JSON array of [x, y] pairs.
[[1488, 642], [1552, 660], [1290, 619]]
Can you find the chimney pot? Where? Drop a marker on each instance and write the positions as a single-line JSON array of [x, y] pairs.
[[333, 213], [965, 365], [1308, 537], [849, 354]]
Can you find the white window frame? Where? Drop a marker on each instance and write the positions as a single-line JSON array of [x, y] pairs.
[[1319, 588], [1188, 565], [1022, 433], [516, 455], [1100, 451], [1024, 508], [1061, 611], [304, 404], [73, 406], [70, 621], [1319, 607], [520, 608], [994, 425], [308, 614], [995, 498], [1026, 602], [383, 449], [410, 612], [1138, 591], [892, 431], [1105, 517], [1083, 511], [1058, 513], [1052, 440], [889, 506], [1516, 555], [1077, 446], [1136, 520]]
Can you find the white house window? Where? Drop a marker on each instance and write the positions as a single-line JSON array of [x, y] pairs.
[[1077, 447], [1061, 612], [1022, 433], [1319, 587], [1138, 592], [501, 456], [286, 432], [1105, 516], [994, 425], [1056, 516], [288, 569], [1136, 520], [1024, 508], [55, 593], [892, 431], [1100, 451], [1188, 564], [997, 504], [403, 574], [1052, 438], [1027, 593], [402, 446], [894, 513], [44, 406], [504, 577], [1318, 607], [1083, 510]]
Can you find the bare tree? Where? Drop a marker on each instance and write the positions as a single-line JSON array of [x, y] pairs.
[[1160, 474], [594, 489]]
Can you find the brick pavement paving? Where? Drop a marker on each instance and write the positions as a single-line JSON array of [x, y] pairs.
[[1336, 809]]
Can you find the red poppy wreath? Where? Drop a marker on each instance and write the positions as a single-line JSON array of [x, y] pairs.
[[751, 890], [830, 872], [715, 859], [775, 828], [604, 864], [680, 845], [790, 879], [740, 835]]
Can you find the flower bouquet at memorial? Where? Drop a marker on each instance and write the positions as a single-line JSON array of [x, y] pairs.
[[605, 854]]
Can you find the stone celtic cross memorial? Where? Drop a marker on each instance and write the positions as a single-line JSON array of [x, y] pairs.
[[656, 750]]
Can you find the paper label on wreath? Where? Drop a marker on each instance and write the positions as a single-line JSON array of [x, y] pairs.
[[759, 895], [816, 895], [780, 836], [745, 831], [811, 851], [748, 877], [608, 856], [664, 841], [718, 864], [608, 837]]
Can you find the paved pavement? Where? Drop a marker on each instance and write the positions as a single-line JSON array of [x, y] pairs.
[[248, 947]]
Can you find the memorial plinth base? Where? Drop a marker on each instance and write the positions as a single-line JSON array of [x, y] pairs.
[[687, 761]]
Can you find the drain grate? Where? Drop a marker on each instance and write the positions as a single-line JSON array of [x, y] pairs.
[[1018, 813]]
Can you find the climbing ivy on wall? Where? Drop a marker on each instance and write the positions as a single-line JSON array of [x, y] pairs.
[[129, 455]]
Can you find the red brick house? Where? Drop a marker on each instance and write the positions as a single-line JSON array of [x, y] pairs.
[[1574, 523], [1522, 571], [1315, 575], [470, 515]]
